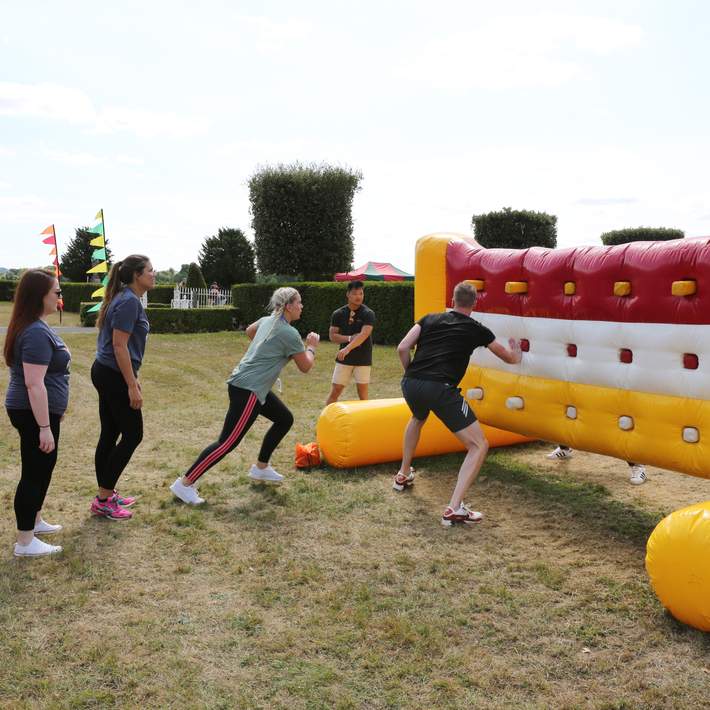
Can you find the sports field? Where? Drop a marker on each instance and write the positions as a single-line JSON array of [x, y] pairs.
[[333, 591]]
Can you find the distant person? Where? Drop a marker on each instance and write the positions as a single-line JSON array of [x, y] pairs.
[[123, 331], [637, 472], [36, 399], [351, 326], [214, 294], [274, 341], [445, 342]]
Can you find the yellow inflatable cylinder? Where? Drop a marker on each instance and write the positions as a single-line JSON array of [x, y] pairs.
[[363, 433], [678, 563]]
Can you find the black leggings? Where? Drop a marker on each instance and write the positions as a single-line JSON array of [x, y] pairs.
[[117, 419], [243, 410], [37, 466]]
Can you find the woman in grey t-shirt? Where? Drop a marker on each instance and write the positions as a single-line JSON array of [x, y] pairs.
[[36, 399], [274, 341]]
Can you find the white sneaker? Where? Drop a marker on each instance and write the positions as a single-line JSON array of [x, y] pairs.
[[36, 548], [559, 453], [267, 474], [45, 528], [187, 494], [638, 475]]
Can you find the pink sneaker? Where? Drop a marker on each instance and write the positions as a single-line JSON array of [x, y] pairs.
[[110, 509], [123, 501], [462, 515]]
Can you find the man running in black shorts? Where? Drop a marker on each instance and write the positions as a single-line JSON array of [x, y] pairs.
[[444, 343]]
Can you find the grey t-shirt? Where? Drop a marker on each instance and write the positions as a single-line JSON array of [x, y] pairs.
[[274, 343], [126, 313], [38, 344]]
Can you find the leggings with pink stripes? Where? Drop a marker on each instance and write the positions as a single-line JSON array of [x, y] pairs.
[[244, 408]]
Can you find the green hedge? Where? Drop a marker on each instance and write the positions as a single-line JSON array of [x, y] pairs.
[[7, 289], [393, 303], [640, 234], [74, 294], [515, 229], [177, 320]]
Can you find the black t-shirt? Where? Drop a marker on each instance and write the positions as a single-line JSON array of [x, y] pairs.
[[348, 324], [445, 345]]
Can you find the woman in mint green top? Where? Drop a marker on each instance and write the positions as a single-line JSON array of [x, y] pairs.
[[274, 341]]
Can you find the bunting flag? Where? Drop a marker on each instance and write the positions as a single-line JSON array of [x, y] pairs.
[[50, 237], [98, 255]]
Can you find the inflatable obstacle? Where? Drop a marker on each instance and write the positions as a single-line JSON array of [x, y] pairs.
[[678, 564], [363, 433]]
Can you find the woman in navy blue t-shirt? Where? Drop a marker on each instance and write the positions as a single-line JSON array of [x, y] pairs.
[[36, 399], [123, 331]]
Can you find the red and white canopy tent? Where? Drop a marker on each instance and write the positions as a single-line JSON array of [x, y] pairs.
[[375, 271]]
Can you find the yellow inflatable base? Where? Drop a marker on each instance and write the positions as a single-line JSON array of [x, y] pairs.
[[678, 564], [363, 433]]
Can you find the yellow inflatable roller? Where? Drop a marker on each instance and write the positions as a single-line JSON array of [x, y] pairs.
[[678, 564], [363, 433]]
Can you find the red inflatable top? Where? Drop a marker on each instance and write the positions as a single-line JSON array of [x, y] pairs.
[[659, 282]]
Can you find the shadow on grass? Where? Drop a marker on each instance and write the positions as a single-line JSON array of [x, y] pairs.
[[591, 503]]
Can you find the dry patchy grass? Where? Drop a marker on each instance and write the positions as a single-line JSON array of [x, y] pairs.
[[331, 591]]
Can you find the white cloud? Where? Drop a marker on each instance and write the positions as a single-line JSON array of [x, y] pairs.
[[521, 51], [6, 152], [69, 158], [49, 101], [61, 103], [270, 35]]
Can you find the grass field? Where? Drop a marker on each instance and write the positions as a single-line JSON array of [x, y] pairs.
[[332, 591], [67, 318]]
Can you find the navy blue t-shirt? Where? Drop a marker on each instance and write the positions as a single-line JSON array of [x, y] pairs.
[[38, 344], [126, 313]]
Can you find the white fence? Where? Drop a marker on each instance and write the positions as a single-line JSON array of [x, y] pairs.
[[200, 297]]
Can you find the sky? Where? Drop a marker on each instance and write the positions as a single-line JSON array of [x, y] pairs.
[[159, 112]]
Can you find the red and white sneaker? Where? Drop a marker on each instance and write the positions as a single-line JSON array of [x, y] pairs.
[[462, 515], [123, 501], [402, 482]]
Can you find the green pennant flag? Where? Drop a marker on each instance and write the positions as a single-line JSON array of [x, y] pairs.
[[96, 229], [98, 255], [95, 308], [104, 280]]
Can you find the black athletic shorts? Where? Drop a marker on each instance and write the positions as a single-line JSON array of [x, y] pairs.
[[424, 396]]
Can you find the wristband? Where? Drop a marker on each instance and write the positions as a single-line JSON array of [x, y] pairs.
[[311, 350], [46, 426]]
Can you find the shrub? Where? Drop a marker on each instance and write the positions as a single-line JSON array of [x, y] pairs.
[[195, 279], [302, 219], [176, 320], [640, 234], [393, 303], [515, 229], [7, 289]]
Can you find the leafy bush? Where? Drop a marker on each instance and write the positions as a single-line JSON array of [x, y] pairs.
[[7, 289], [515, 229], [195, 279], [640, 234], [393, 303], [227, 258], [302, 219], [176, 320]]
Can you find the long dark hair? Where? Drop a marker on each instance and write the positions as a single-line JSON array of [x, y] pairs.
[[122, 274], [28, 307]]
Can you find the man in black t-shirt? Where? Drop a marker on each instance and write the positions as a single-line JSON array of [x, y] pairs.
[[444, 343], [351, 326]]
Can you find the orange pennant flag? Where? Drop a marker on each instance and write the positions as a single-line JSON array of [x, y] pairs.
[[53, 251], [49, 230]]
